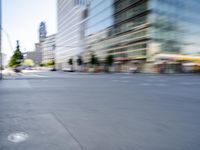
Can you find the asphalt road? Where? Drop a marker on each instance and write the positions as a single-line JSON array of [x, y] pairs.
[[73, 111]]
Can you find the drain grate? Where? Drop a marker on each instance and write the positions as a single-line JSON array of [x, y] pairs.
[[18, 137]]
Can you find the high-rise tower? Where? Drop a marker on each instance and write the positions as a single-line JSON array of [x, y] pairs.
[[42, 31], [70, 34]]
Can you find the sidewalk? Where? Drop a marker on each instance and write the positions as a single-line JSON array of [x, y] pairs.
[[14, 84]]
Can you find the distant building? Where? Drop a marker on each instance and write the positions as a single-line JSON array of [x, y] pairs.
[[37, 46], [44, 49], [48, 48], [35, 56], [70, 35]]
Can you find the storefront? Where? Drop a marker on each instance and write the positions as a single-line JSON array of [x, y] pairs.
[[174, 63]]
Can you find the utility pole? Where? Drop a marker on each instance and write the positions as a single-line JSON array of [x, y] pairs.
[[1, 55]]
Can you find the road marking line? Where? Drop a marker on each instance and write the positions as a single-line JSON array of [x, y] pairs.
[[37, 75], [145, 84], [188, 83], [125, 77], [33, 75], [115, 80]]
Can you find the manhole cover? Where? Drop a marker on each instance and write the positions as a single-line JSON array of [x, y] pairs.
[[18, 137]]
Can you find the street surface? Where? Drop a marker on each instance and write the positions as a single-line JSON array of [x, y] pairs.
[[77, 111]]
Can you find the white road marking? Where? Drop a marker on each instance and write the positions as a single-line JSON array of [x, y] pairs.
[[188, 83], [145, 84], [37, 75], [34, 75], [160, 80], [152, 77], [121, 81], [150, 80], [115, 80], [125, 77]]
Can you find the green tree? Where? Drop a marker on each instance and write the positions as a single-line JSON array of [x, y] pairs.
[[47, 63], [70, 62], [109, 60], [17, 57], [79, 61], [94, 60], [51, 63]]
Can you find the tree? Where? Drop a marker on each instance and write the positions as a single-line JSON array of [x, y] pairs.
[[47, 63], [17, 57], [70, 62], [94, 60], [79, 61], [51, 63], [109, 60]]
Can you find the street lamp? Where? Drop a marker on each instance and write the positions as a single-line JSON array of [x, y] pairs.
[[1, 57]]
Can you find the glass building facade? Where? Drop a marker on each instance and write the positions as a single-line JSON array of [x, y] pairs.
[[138, 29], [118, 27], [175, 25]]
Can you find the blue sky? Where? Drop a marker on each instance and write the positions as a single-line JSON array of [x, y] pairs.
[[21, 19]]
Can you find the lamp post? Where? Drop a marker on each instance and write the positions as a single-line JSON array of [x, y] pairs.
[[54, 57], [1, 56]]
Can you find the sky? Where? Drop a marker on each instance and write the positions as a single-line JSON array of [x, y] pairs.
[[21, 19]]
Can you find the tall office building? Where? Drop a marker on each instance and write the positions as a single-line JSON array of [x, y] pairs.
[[70, 34], [136, 30]]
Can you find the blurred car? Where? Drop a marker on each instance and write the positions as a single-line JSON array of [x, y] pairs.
[[17, 69], [133, 69], [53, 69], [67, 70], [22, 67]]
